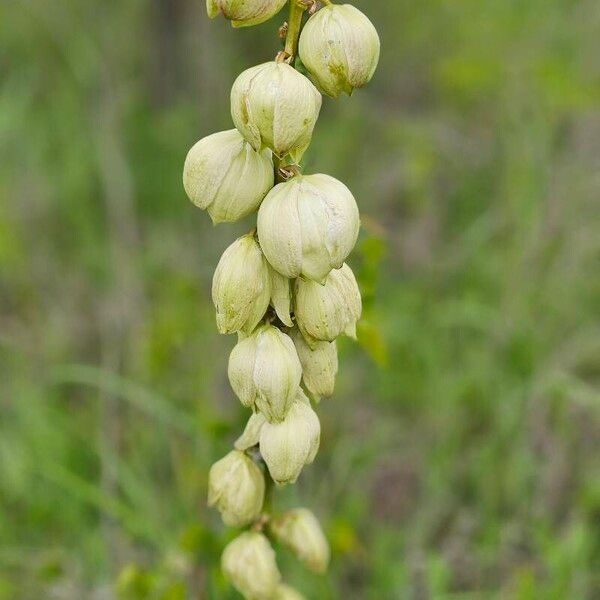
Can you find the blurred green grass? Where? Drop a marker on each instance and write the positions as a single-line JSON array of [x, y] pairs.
[[460, 454]]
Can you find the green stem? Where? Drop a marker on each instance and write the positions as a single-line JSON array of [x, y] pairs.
[[294, 27]]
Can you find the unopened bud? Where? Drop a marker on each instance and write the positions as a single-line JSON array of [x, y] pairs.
[[285, 592], [241, 286], [319, 364], [249, 564], [265, 372], [243, 13], [274, 105], [224, 175], [340, 48], [236, 486], [287, 446], [323, 312], [251, 435], [301, 532], [308, 226]]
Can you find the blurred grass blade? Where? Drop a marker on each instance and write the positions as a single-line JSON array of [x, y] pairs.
[[148, 402]]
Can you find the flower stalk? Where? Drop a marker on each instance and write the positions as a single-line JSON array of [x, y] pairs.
[[284, 288]]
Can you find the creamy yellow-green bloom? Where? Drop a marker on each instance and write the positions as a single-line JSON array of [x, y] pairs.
[[308, 226], [340, 48], [275, 106], [249, 564], [224, 175], [236, 486], [251, 434], [264, 372], [301, 532], [243, 285], [319, 364], [323, 312], [243, 13], [289, 445], [285, 592]]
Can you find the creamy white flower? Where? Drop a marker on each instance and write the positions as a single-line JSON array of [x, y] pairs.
[[251, 435], [243, 285], [340, 48], [301, 532], [249, 564], [274, 105], [224, 175], [308, 226], [236, 487], [243, 13], [264, 372], [319, 364], [285, 592], [287, 446], [323, 312]]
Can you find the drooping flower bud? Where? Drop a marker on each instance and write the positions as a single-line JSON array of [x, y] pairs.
[[243, 285], [301, 532], [340, 48], [319, 364], [236, 486], [308, 226], [251, 435], [323, 312], [243, 13], [249, 564], [274, 105], [287, 446], [285, 592], [264, 372], [224, 175]]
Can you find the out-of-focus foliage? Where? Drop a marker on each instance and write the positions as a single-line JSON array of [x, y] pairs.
[[459, 455]]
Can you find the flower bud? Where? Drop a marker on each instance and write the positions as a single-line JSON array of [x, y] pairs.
[[249, 564], [251, 435], [308, 226], [287, 446], [319, 364], [285, 592], [226, 176], [243, 285], [300, 531], [236, 486], [323, 312], [340, 48], [243, 13], [274, 105], [264, 372]]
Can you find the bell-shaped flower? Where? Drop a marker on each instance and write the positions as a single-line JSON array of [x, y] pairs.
[[224, 175], [243, 286], [243, 13], [300, 531], [249, 564], [287, 446], [319, 364], [340, 48], [236, 487], [324, 312], [275, 106], [308, 225], [265, 372]]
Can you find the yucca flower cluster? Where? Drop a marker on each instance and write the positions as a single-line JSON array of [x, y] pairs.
[[284, 288]]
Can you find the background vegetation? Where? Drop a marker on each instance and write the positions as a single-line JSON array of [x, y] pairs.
[[460, 452]]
